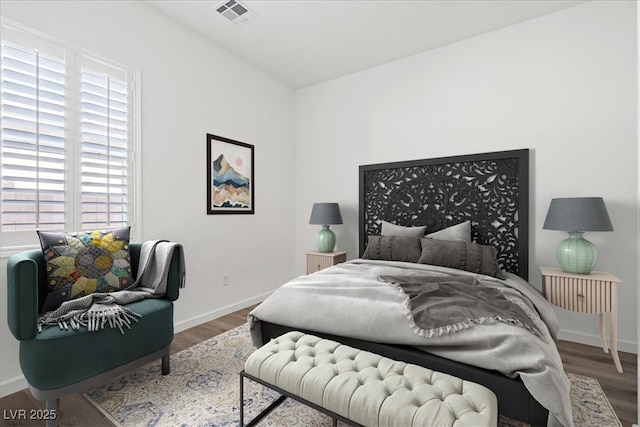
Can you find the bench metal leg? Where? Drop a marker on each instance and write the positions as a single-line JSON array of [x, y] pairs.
[[262, 414]]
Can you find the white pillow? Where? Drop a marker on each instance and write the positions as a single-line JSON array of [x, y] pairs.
[[389, 229], [458, 232]]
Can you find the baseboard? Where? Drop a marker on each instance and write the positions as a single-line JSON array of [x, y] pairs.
[[594, 340], [212, 315], [13, 385]]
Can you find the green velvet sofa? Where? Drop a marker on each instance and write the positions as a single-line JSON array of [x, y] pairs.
[[59, 362]]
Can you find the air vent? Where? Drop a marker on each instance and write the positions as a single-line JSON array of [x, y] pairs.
[[236, 12]]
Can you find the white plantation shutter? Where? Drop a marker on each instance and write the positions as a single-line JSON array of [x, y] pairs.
[[33, 140], [66, 157], [104, 151]]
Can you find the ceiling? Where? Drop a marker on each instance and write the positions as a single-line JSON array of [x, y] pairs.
[[304, 42]]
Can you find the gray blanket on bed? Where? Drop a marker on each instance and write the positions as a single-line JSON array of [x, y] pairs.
[[444, 305], [350, 300]]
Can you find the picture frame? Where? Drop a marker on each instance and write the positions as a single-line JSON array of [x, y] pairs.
[[230, 176]]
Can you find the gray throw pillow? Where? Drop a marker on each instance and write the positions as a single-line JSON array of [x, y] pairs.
[[461, 255], [460, 231], [393, 248], [389, 229]]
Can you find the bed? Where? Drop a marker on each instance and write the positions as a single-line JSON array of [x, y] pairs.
[[366, 302]]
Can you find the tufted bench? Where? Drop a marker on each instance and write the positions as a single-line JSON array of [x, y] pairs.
[[361, 388]]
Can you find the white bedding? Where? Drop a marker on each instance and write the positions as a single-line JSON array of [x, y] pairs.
[[350, 300]]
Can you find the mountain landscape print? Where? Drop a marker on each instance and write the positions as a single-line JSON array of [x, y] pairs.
[[230, 189], [229, 178]]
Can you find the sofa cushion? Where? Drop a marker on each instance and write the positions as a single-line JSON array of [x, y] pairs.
[[56, 358], [81, 263]]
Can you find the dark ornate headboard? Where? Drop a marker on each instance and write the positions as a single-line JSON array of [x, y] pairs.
[[490, 189]]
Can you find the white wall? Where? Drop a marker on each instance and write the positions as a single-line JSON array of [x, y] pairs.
[[189, 88], [562, 85]]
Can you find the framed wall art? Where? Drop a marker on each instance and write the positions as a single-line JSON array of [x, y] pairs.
[[230, 179]]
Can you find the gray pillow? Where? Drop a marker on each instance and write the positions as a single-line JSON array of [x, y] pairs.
[[393, 248], [460, 231], [461, 255], [389, 229]]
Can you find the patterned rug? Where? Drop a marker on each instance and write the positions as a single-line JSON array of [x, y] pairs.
[[203, 390]]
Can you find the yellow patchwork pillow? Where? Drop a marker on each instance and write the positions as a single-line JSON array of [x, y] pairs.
[[81, 263]]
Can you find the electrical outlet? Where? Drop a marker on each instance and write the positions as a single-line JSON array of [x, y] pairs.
[[226, 279]]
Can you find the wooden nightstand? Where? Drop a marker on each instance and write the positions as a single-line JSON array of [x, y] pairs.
[[595, 293], [316, 261]]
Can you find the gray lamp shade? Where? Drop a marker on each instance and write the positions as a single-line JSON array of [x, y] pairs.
[[325, 214], [578, 214]]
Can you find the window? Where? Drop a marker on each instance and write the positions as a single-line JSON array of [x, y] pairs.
[[67, 140], [104, 154]]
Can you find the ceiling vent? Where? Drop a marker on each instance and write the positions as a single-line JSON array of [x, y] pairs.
[[236, 12]]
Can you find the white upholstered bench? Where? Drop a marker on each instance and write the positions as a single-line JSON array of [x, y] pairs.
[[361, 388]]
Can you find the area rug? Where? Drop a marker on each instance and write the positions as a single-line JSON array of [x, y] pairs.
[[203, 390]]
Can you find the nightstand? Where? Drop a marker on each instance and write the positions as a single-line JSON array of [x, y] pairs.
[[595, 293], [316, 261]]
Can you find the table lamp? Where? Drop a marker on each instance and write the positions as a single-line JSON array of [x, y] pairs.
[[325, 214], [575, 215]]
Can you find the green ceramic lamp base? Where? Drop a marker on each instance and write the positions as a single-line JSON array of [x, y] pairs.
[[325, 240], [576, 255]]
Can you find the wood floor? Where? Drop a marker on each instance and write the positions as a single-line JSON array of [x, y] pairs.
[[620, 389]]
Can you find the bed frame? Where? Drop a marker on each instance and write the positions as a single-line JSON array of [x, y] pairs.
[[491, 190]]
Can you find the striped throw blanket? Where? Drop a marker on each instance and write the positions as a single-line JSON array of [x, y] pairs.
[[97, 310]]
